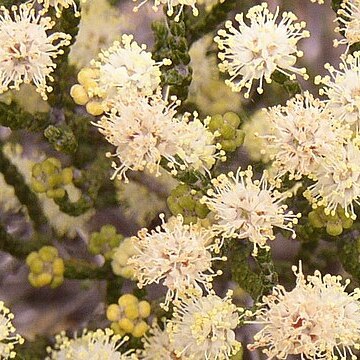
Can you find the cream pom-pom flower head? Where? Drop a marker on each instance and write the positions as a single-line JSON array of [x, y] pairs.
[[177, 255], [342, 88], [337, 180], [248, 209], [143, 130], [27, 52], [318, 319], [349, 19], [255, 51], [304, 131], [8, 337], [204, 328], [94, 345]]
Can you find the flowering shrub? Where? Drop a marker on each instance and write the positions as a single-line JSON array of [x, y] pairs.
[[158, 190]]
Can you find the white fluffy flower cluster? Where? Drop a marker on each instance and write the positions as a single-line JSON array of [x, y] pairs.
[[180, 257], [349, 19], [177, 255], [304, 132], [95, 345], [342, 89], [125, 82], [201, 328], [204, 328], [255, 51], [27, 50], [248, 209], [8, 337], [318, 319]]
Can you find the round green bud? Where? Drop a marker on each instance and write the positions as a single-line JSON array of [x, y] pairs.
[[232, 119], [36, 266], [56, 281], [334, 228], [215, 123], [37, 186], [227, 132], [201, 210], [187, 202], [228, 145], [48, 253], [315, 220], [67, 176], [239, 137]]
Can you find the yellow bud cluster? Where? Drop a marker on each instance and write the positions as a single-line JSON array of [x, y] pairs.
[[46, 267], [127, 316], [48, 177], [120, 257], [85, 93]]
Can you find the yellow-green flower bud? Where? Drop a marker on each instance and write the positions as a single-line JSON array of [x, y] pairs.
[[126, 325], [132, 311], [334, 224], [46, 267], [105, 241], [144, 309], [127, 299], [48, 177], [128, 314], [186, 202], [113, 312], [226, 126], [140, 329], [334, 228]]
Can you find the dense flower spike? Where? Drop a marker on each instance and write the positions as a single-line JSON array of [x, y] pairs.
[[248, 209], [338, 180], [27, 51], [204, 328], [303, 133], [318, 319], [349, 19], [8, 337], [95, 345], [171, 5], [254, 52], [342, 88], [177, 255], [143, 130]]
